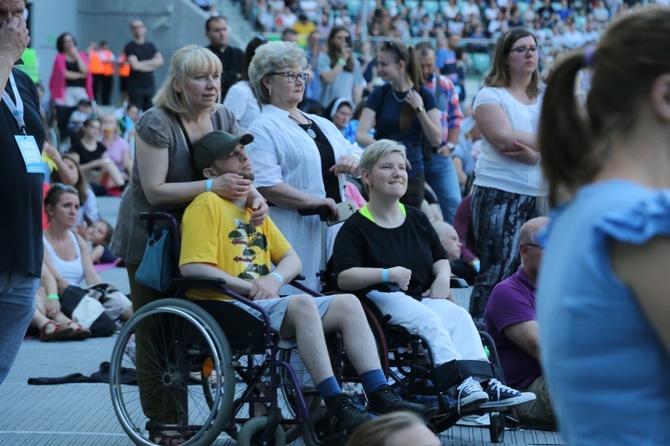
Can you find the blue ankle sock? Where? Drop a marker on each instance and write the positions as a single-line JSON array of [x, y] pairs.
[[373, 380], [328, 387]]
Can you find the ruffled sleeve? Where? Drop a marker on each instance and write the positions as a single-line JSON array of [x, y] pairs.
[[638, 223]]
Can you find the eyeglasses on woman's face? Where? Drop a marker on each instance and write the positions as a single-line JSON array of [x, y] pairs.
[[524, 50], [291, 76]]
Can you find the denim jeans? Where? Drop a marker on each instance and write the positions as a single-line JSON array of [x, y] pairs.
[[17, 306], [441, 176]]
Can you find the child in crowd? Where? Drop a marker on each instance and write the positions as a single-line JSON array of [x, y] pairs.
[[83, 112], [99, 236]]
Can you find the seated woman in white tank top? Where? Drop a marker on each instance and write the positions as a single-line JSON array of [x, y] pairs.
[[65, 253]]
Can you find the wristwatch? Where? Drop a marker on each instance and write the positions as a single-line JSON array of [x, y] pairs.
[[420, 109], [451, 146]]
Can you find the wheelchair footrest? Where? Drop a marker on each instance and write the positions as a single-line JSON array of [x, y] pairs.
[[454, 372]]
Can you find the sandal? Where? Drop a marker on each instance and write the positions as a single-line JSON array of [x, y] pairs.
[[60, 333], [80, 332]]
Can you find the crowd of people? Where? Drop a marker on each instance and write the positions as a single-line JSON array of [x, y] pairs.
[[239, 142]]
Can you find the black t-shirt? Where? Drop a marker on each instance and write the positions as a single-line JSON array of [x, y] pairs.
[[20, 192], [85, 155], [231, 60], [145, 51], [414, 245], [74, 66]]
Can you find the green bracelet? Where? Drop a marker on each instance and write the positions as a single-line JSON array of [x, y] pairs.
[[341, 61], [52, 296]]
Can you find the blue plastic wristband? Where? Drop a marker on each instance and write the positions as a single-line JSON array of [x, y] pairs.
[[208, 185], [281, 279], [385, 275]]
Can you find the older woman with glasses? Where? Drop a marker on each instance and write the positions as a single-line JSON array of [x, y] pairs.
[[509, 189], [297, 157]]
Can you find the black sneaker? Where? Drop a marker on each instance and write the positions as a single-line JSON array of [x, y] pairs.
[[385, 400], [501, 395], [344, 414]]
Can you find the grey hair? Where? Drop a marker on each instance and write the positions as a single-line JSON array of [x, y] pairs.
[[269, 58], [530, 229]]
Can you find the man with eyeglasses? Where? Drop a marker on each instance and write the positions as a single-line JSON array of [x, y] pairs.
[[512, 323], [21, 178]]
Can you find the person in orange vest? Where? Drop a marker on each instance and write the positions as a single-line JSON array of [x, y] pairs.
[[124, 72], [101, 64]]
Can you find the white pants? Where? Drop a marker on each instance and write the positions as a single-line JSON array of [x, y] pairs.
[[447, 327]]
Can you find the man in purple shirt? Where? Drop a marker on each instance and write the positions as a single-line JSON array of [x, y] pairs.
[[512, 323]]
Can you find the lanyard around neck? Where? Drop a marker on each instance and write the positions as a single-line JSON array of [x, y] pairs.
[[15, 108]]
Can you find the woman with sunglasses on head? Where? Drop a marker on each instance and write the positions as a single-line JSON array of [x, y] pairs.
[[402, 110], [297, 157], [88, 209], [509, 189], [66, 254]]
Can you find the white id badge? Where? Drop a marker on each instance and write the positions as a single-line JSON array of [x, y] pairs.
[[30, 152]]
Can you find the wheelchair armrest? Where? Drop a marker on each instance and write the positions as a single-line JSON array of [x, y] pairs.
[[196, 282]]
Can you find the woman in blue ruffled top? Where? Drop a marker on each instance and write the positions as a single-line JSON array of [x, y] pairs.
[[603, 302]]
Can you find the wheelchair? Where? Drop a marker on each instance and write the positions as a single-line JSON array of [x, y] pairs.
[[207, 367], [408, 361]]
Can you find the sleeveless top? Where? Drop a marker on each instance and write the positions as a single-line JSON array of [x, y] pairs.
[[71, 270]]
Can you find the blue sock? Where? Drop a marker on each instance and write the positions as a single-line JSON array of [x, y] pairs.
[[329, 387], [373, 380]]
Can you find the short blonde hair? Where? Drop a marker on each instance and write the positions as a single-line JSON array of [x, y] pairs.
[[188, 61], [271, 57]]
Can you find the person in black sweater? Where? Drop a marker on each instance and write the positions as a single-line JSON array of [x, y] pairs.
[[391, 253], [218, 33]]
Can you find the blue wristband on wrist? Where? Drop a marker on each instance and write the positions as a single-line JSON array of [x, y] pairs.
[[208, 185], [385, 275], [281, 279]]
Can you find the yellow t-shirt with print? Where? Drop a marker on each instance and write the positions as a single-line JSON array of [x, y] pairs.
[[216, 232]]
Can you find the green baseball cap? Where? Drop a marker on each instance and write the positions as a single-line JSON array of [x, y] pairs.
[[216, 144]]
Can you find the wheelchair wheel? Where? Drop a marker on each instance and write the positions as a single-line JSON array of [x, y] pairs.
[[182, 362], [251, 432], [497, 427]]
